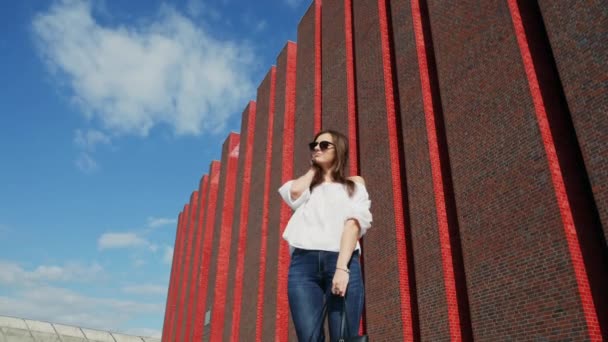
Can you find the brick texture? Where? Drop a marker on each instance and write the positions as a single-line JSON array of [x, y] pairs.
[[177, 327], [509, 220], [169, 306], [480, 128], [385, 243], [239, 225], [334, 114], [187, 271], [196, 258], [580, 52], [249, 305], [266, 253], [215, 244], [200, 328], [579, 216], [308, 92], [230, 157], [430, 289], [276, 309]]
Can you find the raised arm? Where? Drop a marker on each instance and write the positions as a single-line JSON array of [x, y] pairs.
[[296, 192], [301, 184]]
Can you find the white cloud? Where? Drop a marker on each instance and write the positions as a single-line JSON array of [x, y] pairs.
[[60, 305], [12, 273], [154, 222], [168, 255], [90, 139], [86, 163], [135, 239], [87, 143], [120, 240], [133, 78], [145, 289], [125, 240]]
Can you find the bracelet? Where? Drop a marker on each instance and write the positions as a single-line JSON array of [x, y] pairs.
[[343, 269]]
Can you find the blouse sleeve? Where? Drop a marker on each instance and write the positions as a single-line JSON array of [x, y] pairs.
[[359, 209], [285, 192]]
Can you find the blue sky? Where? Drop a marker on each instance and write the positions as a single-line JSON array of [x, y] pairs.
[[110, 112]]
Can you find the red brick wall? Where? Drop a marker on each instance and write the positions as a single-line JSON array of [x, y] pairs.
[[230, 157], [308, 89], [481, 131], [579, 52], [239, 225], [185, 300], [202, 283], [196, 261], [276, 309], [334, 113], [250, 305], [386, 249], [170, 306], [216, 226], [177, 319]]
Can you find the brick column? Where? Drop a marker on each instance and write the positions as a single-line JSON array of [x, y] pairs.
[[241, 211], [171, 288], [252, 303], [230, 155], [203, 275], [381, 165]]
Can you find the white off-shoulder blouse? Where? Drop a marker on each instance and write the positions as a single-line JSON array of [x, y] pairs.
[[319, 217]]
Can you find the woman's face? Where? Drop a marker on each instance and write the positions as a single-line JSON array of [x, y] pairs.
[[324, 157]]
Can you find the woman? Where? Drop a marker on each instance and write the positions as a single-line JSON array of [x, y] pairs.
[[331, 214]]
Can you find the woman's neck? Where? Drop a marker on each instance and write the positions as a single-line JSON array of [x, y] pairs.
[[327, 178]]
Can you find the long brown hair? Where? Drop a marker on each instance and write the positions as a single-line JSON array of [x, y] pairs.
[[339, 165]]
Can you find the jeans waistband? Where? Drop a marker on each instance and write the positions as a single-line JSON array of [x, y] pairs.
[[302, 250]]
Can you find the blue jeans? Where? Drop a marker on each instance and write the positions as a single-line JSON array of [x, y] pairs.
[[309, 285]]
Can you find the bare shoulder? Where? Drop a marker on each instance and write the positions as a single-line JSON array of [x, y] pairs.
[[357, 179]]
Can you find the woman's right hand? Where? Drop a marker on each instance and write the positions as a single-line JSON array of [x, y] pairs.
[[303, 182]]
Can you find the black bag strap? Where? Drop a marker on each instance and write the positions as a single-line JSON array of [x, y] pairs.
[[344, 327]]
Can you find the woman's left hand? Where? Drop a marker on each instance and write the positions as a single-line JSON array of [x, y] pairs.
[[340, 283]]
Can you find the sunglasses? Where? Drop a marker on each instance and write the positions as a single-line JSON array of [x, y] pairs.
[[323, 145]]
